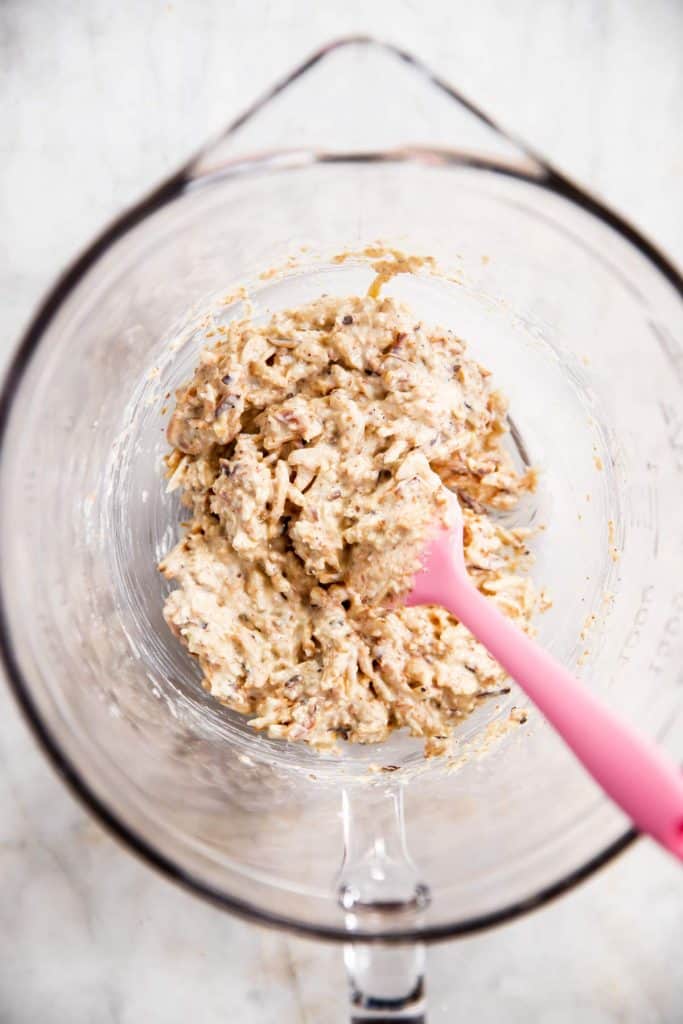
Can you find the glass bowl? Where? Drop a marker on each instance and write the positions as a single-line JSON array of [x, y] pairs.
[[579, 318]]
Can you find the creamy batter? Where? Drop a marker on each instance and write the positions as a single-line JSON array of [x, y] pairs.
[[313, 453]]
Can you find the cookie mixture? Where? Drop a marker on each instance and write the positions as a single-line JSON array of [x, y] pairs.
[[313, 453]]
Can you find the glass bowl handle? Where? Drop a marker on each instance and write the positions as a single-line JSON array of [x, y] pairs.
[[380, 889], [386, 983]]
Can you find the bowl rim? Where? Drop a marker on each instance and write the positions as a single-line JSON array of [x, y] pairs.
[[540, 174]]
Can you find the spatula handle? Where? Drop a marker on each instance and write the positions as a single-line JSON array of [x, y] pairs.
[[638, 776]]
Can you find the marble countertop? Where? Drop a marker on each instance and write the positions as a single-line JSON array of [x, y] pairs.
[[97, 102]]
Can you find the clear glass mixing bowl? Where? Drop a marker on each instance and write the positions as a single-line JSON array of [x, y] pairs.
[[580, 320]]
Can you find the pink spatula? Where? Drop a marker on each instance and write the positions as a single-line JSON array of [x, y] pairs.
[[632, 770]]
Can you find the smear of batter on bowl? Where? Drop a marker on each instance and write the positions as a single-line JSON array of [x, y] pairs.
[[313, 453]]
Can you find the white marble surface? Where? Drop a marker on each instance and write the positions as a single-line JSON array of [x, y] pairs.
[[99, 100]]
